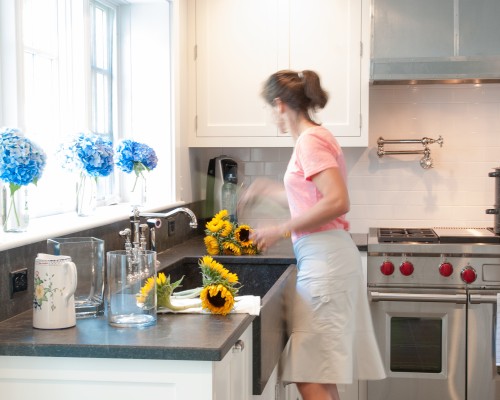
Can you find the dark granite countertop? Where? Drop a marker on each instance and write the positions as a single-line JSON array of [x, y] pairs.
[[175, 336]]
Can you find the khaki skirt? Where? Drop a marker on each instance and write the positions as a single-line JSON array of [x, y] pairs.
[[331, 336]]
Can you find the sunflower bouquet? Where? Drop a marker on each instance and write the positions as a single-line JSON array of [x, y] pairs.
[[224, 237], [220, 287]]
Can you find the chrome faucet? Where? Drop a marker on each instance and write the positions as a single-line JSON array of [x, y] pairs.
[[193, 223], [135, 237]]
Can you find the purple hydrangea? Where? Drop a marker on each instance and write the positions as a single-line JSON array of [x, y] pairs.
[[135, 156], [21, 161], [91, 154]]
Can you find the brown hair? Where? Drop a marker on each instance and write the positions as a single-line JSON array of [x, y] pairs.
[[301, 90]]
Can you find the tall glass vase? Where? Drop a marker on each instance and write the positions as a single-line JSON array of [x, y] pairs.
[[86, 192], [138, 192], [15, 212]]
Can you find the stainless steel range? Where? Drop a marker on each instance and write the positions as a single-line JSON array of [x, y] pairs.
[[433, 296]]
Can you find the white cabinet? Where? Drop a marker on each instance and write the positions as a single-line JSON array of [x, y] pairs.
[[232, 377], [61, 378], [239, 43]]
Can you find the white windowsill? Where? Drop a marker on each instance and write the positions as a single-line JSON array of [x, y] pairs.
[[40, 229]]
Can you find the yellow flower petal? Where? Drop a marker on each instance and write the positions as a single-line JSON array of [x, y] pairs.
[[217, 299], [230, 248], [212, 245]]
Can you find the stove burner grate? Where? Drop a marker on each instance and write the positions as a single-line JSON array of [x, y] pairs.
[[425, 235]]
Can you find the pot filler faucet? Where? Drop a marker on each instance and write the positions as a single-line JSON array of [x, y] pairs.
[[135, 236]]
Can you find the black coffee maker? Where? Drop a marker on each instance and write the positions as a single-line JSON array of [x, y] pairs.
[[496, 211], [222, 170]]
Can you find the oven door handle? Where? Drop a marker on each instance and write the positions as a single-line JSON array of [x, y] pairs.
[[482, 298], [458, 298]]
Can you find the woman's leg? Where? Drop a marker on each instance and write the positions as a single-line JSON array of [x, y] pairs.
[[318, 391]]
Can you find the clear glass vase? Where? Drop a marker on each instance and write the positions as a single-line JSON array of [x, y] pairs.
[[86, 192], [15, 212], [138, 192]]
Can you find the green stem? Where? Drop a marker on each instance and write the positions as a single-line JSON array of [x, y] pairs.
[[12, 205], [168, 304], [187, 294], [135, 182]]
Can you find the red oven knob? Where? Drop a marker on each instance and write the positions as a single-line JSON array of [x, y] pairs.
[[468, 274], [406, 268], [446, 269], [387, 268]]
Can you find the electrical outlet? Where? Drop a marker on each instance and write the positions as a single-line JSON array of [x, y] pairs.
[[18, 281], [171, 228]]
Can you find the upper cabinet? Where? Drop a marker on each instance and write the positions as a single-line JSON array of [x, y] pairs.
[[436, 40], [237, 44]]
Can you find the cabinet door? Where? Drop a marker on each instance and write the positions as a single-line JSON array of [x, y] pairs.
[[325, 36], [233, 374], [241, 42], [237, 48]]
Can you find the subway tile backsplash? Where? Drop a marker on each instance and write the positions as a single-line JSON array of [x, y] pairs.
[[394, 190]]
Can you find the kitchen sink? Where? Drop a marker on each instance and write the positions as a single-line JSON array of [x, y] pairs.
[[273, 280]]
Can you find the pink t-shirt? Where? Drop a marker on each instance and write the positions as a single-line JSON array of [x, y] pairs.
[[316, 150]]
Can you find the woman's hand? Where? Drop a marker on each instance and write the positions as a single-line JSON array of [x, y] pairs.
[[265, 238]]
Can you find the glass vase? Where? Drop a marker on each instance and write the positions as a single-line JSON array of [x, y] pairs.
[[15, 212], [138, 192], [86, 192]]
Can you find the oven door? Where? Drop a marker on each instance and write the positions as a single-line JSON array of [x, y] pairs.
[[421, 335], [483, 347]]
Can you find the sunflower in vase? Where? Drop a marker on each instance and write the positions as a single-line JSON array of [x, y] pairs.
[[224, 237]]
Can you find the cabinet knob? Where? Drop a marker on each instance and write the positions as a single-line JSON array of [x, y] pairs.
[[238, 346]]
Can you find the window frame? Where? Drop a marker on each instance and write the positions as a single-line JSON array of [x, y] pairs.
[[11, 113]]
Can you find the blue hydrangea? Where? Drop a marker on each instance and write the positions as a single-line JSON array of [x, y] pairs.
[[135, 156], [88, 153], [21, 161]]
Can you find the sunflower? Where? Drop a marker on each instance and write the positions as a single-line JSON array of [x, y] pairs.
[[164, 291], [215, 225], [231, 248], [145, 298], [242, 235], [212, 245], [226, 237], [214, 271], [226, 229], [249, 250], [217, 299]]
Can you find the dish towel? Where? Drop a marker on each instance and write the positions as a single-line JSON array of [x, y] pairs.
[[497, 341], [242, 304]]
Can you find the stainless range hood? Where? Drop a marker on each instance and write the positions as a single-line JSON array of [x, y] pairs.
[[453, 70], [454, 41]]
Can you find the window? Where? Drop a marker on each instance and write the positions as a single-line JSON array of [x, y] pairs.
[[58, 102], [80, 62], [103, 63]]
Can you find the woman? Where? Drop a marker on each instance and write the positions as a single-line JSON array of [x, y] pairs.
[[332, 340]]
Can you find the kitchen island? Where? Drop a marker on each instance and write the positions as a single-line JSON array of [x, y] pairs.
[[95, 355]]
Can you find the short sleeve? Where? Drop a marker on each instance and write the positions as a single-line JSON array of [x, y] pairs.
[[317, 150]]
